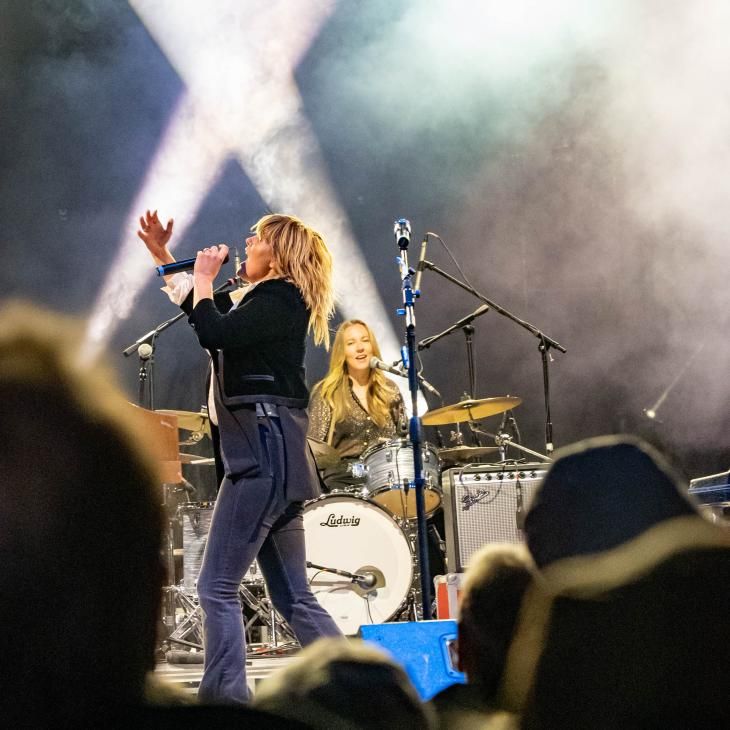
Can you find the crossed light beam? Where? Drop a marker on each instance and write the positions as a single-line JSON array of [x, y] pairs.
[[237, 60]]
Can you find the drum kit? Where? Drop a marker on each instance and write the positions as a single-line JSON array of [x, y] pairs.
[[360, 541]]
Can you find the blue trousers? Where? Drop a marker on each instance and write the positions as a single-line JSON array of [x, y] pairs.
[[253, 518]]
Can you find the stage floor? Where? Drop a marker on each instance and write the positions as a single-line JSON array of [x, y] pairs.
[[187, 676]]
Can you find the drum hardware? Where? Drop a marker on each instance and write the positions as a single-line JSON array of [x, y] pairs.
[[389, 475], [504, 440], [196, 460], [182, 614], [465, 454], [365, 578], [263, 610], [188, 631]]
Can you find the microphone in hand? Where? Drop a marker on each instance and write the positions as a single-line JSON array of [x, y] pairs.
[[182, 265]]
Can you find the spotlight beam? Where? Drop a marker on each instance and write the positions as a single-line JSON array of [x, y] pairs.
[[237, 63]]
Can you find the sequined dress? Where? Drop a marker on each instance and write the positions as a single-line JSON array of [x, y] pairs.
[[355, 433]]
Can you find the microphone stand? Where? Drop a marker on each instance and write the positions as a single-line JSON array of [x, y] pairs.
[[146, 374], [408, 311], [146, 366], [545, 343]]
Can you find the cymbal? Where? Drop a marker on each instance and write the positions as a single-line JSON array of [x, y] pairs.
[[325, 456], [189, 421], [466, 453], [196, 459], [470, 410]]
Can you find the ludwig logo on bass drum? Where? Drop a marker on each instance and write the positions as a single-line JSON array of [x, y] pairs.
[[340, 521]]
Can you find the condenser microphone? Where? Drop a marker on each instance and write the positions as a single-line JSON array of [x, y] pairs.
[[420, 267], [236, 279], [182, 265], [402, 231]]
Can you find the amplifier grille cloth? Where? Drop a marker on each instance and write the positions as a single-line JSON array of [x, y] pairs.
[[485, 509]]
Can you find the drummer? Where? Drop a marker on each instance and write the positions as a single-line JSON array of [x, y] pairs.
[[353, 407]]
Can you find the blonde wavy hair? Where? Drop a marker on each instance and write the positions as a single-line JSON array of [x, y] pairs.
[[300, 256], [335, 388]]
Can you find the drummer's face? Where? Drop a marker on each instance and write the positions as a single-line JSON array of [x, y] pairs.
[[358, 349]]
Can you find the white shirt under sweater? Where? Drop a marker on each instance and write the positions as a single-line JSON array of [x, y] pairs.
[[180, 285]]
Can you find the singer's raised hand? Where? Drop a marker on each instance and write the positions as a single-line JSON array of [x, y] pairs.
[[156, 236], [208, 263]]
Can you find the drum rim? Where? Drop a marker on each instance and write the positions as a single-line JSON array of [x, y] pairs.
[[202, 505], [430, 469], [376, 447]]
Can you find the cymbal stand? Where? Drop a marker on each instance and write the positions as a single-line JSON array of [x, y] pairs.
[[545, 342], [504, 440]]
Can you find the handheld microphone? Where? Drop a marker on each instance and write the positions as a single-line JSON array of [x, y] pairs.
[[182, 265], [380, 365], [420, 267], [402, 231]]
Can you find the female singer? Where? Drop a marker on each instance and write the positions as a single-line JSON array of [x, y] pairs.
[[259, 399]]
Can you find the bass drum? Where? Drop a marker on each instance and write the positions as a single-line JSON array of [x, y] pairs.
[[346, 532]]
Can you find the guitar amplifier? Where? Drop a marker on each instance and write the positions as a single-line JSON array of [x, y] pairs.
[[485, 503]]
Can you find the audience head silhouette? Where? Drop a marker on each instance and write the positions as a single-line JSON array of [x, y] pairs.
[[80, 530]]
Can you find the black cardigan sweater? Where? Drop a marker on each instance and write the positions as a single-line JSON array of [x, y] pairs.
[[258, 348]]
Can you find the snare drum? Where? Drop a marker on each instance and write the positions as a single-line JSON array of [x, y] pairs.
[[349, 533], [389, 465], [195, 518]]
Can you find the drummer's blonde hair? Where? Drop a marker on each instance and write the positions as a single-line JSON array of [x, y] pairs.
[[300, 256], [335, 386]]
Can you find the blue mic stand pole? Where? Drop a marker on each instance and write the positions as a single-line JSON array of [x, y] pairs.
[[402, 230]]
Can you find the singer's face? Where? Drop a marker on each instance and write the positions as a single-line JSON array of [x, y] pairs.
[[257, 265], [358, 349]]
